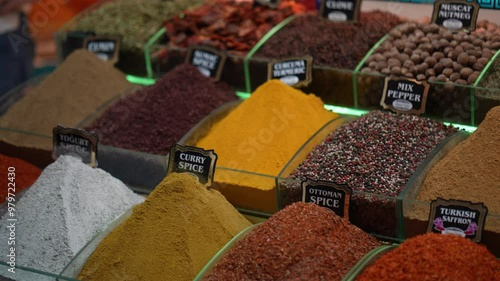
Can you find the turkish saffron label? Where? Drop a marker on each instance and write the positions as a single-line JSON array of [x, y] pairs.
[[196, 161], [107, 48], [457, 217], [209, 61], [340, 10], [335, 197], [273, 4], [296, 72], [404, 95], [76, 142], [455, 15]]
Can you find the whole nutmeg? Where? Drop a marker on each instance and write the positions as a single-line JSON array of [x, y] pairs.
[[404, 70], [408, 63], [430, 72], [473, 77], [459, 49], [466, 72], [403, 57], [395, 33], [457, 67], [378, 57], [372, 64], [478, 66], [422, 68], [431, 61], [408, 74], [424, 55], [447, 72], [396, 70], [438, 55], [482, 61], [411, 45], [438, 67], [463, 59], [421, 77], [477, 42], [495, 45], [432, 79], [472, 59], [487, 54], [400, 44], [381, 65], [408, 51], [449, 87], [386, 71], [427, 47], [453, 55], [448, 49], [393, 62], [475, 53], [447, 62], [415, 58], [366, 69], [461, 82], [448, 35], [413, 70], [453, 43], [441, 78], [454, 76]]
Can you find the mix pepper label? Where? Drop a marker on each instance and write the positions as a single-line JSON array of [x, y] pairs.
[[296, 72], [340, 10], [404, 95], [333, 196], [455, 15], [209, 61], [77, 142], [107, 48], [269, 3], [196, 161], [457, 217]]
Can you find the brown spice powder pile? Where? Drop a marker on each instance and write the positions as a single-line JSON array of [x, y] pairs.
[[470, 171], [302, 242], [74, 90]]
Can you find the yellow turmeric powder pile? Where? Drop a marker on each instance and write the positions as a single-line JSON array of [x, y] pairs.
[[170, 236], [260, 136]]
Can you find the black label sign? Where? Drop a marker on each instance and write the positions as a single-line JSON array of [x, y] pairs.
[[457, 217], [273, 4], [193, 160], [209, 61], [295, 72], [404, 95], [330, 195], [340, 10], [455, 15], [75, 142], [105, 47]]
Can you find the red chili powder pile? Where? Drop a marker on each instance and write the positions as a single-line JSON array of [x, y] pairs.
[[21, 175], [435, 257]]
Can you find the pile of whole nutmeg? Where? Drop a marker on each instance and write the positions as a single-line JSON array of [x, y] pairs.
[[433, 53]]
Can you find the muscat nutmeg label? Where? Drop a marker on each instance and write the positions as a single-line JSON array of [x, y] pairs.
[[76, 142], [340, 10], [457, 217], [456, 15], [333, 196], [195, 161], [273, 4], [404, 95], [295, 72], [209, 61], [106, 48]]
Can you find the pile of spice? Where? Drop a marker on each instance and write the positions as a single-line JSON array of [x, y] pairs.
[[68, 204], [468, 172], [374, 154], [435, 257], [23, 175], [154, 118], [74, 90], [301, 242], [227, 24], [171, 236], [260, 136], [135, 20], [341, 45]]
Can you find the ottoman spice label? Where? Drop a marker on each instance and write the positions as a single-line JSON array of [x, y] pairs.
[[340, 10], [209, 61], [76, 142], [455, 15], [295, 72], [457, 217], [404, 95], [105, 47], [193, 160], [335, 197]]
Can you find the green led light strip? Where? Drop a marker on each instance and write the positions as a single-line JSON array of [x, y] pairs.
[[140, 80]]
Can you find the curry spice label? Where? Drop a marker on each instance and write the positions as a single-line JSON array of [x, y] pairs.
[[77, 142], [335, 197], [404, 95], [107, 48], [455, 15], [457, 217], [340, 10], [295, 72], [193, 160], [209, 61]]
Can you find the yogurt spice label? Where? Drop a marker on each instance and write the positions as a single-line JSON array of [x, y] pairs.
[[456, 217], [333, 196], [76, 142], [107, 48], [456, 15], [295, 72], [195, 161], [404, 95], [209, 61], [340, 10]]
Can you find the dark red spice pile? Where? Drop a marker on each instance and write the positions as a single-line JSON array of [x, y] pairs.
[[227, 24], [24, 175], [154, 118], [330, 43], [435, 257], [301, 242]]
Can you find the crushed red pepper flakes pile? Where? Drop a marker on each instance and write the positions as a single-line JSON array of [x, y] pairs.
[[301, 242], [25, 174], [435, 257], [227, 24]]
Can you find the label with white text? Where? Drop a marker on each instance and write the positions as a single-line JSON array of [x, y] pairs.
[[195, 161], [75, 142], [340, 10], [105, 47], [209, 61], [336, 197], [456, 15], [404, 95], [296, 72], [462, 218]]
